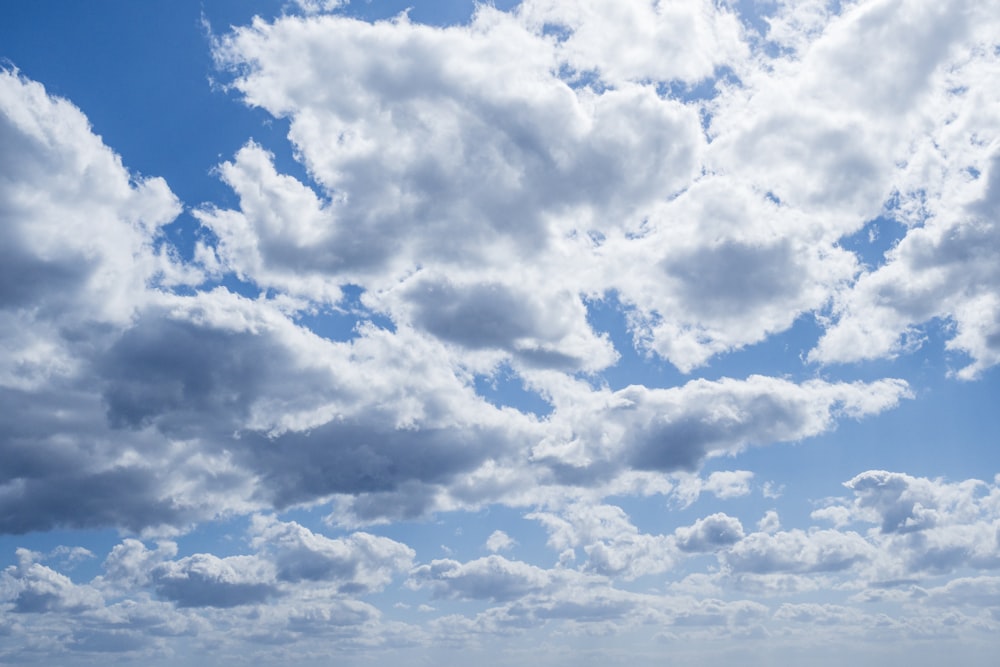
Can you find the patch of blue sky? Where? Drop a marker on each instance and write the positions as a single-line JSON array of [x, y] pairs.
[[584, 79], [168, 116], [439, 13], [341, 322], [780, 354], [610, 316], [871, 242], [704, 90], [505, 388], [158, 111], [755, 15], [558, 32], [951, 436], [222, 537]]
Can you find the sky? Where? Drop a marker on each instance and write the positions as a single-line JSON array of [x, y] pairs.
[[552, 332]]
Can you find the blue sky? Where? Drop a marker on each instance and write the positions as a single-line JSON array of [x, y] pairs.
[[559, 331]]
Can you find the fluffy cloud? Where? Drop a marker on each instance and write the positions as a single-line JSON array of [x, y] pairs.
[[923, 525], [796, 551], [709, 534], [301, 575], [945, 194], [484, 154], [34, 588], [613, 545], [357, 563], [80, 252], [493, 577], [637, 40], [595, 433], [469, 194], [172, 408], [499, 541], [204, 580], [482, 185]]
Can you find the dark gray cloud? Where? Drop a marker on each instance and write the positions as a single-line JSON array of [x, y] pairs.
[[709, 534], [204, 580], [63, 467], [538, 327], [180, 374], [476, 316], [129, 497], [677, 429], [733, 279], [363, 457]]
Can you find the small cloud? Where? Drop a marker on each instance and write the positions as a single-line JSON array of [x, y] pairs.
[[499, 541], [772, 490], [70, 556]]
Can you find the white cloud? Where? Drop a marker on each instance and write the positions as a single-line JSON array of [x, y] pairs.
[[926, 526], [499, 541], [613, 545], [797, 551], [356, 563], [481, 187], [769, 523], [946, 195], [205, 580], [639, 40], [78, 235], [33, 588], [493, 578], [597, 433], [974, 591]]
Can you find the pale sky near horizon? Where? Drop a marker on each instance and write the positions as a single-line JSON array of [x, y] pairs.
[[553, 332]]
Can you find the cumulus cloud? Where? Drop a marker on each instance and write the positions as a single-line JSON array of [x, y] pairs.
[[204, 580], [359, 562], [233, 405], [499, 541], [945, 194], [926, 525], [469, 194], [516, 169], [493, 577], [614, 546], [33, 588], [797, 551], [637, 40], [676, 429], [709, 534]]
